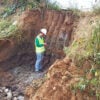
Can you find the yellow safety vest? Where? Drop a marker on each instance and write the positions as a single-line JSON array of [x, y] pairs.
[[40, 49]]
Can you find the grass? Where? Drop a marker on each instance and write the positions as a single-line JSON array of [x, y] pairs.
[[96, 10], [96, 44], [11, 9], [7, 30], [84, 49], [92, 86], [53, 6], [75, 11]]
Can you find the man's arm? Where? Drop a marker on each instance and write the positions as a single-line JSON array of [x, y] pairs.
[[37, 43]]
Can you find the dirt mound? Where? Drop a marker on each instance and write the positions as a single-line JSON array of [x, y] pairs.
[[61, 75], [35, 85]]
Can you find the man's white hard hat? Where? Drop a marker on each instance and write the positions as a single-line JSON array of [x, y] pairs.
[[44, 31]]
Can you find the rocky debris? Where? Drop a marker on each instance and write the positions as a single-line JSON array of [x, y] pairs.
[[8, 94]]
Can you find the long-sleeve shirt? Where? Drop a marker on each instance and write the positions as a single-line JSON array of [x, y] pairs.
[[37, 43]]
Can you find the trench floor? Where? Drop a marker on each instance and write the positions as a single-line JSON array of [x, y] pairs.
[[23, 77]]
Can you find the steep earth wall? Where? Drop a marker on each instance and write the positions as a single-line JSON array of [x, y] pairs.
[[60, 26]]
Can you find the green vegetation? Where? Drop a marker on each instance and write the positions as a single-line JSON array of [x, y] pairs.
[[27, 4], [4, 24], [79, 50], [96, 10], [75, 11], [96, 44], [92, 86], [87, 49], [11, 9], [84, 48], [53, 6], [7, 29]]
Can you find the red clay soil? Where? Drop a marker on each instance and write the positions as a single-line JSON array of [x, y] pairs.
[[60, 77]]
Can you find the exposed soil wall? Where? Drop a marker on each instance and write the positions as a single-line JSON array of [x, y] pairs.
[[6, 49], [60, 27]]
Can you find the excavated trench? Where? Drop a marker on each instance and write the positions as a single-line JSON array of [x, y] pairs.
[[17, 59]]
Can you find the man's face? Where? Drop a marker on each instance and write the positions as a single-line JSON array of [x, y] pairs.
[[42, 34]]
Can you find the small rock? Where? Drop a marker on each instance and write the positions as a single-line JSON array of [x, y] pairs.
[[3, 88], [14, 88], [15, 98], [54, 88], [20, 98], [15, 23], [9, 95], [68, 74], [8, 87], [64, 78], [15, 94], [6, 90]]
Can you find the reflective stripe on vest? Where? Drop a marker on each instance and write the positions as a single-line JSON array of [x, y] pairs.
[[40, 49]]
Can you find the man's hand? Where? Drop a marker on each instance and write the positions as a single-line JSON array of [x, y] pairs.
[[45, 44]]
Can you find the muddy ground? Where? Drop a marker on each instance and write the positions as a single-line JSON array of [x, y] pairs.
[[17, 79]]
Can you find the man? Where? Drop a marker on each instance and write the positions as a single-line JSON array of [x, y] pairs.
[[40, 49]]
